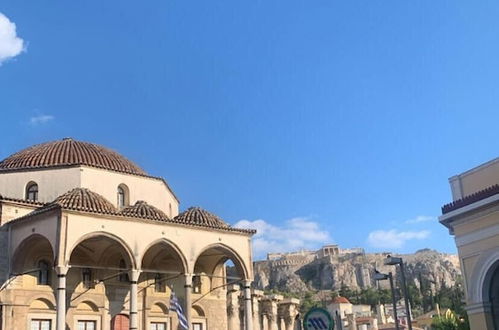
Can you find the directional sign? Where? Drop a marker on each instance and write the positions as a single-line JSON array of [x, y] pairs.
[[318, 319]]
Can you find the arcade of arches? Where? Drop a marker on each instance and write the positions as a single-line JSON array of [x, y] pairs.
[[100, 244]]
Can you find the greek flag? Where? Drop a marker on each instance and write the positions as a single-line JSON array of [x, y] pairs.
[[175, 307]]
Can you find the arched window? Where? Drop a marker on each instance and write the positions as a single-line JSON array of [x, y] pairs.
[[123, 272], [32, 191], [43, 273], [86, 276], [122, 196], [159, 283]]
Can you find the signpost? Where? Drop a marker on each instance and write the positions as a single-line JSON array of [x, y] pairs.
[[318, 319]]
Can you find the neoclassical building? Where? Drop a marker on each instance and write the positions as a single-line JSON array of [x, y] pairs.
[[88, 240], [473, 218]]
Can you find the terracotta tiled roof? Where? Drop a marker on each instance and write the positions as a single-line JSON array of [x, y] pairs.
[[21, 201], [197, 216], [340, 300], [68, 152], [85, 200], [470, 199], [145, 211], [82, 199]]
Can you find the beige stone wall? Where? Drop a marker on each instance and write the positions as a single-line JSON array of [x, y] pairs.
[[51, 182], [474, 180], [55, 182], [11, 211], [153, 191]]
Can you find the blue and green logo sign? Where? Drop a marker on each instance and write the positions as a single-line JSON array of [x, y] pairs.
[[318, 319]]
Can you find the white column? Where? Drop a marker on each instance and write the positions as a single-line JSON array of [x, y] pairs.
[[134, 278], [248, 315], [61, 297], [188, 299]]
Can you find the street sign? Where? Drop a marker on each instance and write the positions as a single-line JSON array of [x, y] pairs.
[[318, 319]]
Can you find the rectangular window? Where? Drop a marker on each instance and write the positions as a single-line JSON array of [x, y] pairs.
[[158, 326], [41, 325], [87, 325], [197, 326]]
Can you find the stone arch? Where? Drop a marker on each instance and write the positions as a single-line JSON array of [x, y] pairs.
[[159, 307], [38, 247], [479, 284], [87, 306], [199, 312], [115, 238], [228, 253], [177, 252], [42, 301]]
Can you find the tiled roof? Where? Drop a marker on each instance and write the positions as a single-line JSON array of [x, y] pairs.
[[470, 199], [21, 201], [68, 152], [340, 300], [85, 200], [82, 199], [197, 216], [145, 211]]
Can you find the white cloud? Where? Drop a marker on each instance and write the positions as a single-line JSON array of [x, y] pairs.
[[295, 234], [40, 119], [10, 44], [421, 218], [394, 239]]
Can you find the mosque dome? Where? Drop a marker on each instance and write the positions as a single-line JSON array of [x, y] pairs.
[[200, 217], [69, 152], [145, 211], [82, 199]]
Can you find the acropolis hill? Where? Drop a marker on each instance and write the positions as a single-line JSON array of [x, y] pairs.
[[331, 267]]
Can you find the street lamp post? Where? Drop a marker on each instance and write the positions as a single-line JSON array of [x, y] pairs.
[[398, 261], [380, 277]]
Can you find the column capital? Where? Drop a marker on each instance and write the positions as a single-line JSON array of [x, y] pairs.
[[188, 280], [247, 283], [134, 275], [61, 270]]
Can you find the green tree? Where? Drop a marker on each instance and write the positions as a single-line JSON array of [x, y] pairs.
[[449, 321]]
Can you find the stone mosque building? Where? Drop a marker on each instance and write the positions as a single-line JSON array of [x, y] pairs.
[[88, 240]]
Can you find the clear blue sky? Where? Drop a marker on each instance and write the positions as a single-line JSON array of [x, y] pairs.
[[348, 115]]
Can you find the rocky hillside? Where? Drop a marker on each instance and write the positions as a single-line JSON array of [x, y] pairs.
[[297, 273]]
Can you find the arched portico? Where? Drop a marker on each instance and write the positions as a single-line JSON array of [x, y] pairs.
[[102, 265], [163, 269], [211, 280], [101, 237], [29, 253]]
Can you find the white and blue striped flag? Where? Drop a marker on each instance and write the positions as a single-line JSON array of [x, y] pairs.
[[176, 307]]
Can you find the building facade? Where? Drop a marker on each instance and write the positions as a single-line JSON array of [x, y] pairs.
[[88, 240], [473, 218]]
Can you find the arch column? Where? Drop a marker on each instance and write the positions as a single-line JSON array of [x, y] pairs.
[[134, 278], [248, 315], [188, 299], [61, 272]]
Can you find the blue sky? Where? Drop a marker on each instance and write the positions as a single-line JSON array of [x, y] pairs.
[[314, 121]]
